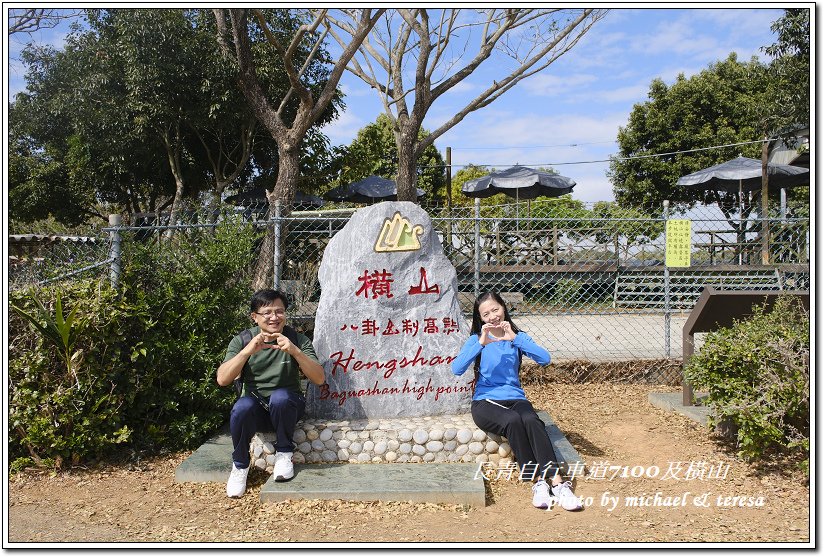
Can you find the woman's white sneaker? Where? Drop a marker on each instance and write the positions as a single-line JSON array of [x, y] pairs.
[[541, 498], [567, 499]]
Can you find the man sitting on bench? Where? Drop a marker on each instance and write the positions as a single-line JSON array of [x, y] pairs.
[[265, 363]]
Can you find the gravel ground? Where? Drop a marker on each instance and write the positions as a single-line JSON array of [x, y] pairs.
[[611, 425]]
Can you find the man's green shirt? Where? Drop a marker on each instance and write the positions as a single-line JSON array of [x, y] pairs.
[[271, 369]]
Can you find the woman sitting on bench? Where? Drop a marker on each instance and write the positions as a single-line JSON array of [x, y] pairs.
[[499, 404]]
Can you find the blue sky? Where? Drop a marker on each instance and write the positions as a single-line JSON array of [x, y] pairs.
[[570, 113]]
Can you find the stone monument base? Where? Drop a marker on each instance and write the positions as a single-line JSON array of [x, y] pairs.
[[446, 438]]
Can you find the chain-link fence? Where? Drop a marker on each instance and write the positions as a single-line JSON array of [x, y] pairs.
[[586, 284]]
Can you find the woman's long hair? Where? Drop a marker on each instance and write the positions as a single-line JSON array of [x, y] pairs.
[[477, 323]]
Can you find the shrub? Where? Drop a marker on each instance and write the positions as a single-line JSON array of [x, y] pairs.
[[59, 412], [194, 288], [567, 292], [757, 374], [141, 366]]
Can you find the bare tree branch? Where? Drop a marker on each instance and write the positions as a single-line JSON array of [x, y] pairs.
[[534, 38], [288, 135], [528, 68], [29, 20]]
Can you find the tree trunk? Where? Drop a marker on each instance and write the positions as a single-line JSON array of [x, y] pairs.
[[217, 200], [288, 172], [407, 169], [176, 203], [173, 153]]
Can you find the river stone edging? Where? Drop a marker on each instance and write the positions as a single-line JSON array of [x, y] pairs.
[[447, 438]]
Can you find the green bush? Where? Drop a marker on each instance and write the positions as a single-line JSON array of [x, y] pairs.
[[195, 290], [567, 292], [757, 374], [143, 359], [58, 413]]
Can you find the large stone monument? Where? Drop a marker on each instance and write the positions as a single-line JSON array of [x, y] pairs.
[[388, 324]]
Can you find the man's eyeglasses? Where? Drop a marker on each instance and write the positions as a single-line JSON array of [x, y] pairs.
[[270, 314]]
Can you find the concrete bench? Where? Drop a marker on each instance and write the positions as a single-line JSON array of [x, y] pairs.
[[436, 480]]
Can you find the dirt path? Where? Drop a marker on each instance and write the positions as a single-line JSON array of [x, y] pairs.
[[610, 425]]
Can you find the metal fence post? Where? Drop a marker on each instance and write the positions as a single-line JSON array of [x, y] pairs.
[[277, 244], [666, 287], [477, 247], [114, 254]]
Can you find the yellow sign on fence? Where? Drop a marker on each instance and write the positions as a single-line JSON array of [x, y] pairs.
[[679, 243]]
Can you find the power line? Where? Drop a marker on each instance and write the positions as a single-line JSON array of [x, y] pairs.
[[531, 146], [653, 155]]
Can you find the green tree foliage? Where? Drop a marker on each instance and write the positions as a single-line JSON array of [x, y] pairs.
[[757, 374], [789, 90], [374, 151], [790, 71], [140, 111], [721, 105], [310, 79], [40, 182], [79, 109], [627, 222]]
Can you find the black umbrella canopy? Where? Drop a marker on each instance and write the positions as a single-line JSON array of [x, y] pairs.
[[370, 189], [744, 174], [519, 182]]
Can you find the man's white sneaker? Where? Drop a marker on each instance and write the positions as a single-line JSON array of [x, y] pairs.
[[236, 486], [540, 495], [284, 471], [567, 499]]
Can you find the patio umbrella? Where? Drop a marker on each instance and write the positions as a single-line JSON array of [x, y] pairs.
[[744, 174], [370, 189], [519, 182]]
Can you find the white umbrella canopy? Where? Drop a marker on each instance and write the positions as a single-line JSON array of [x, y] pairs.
[[519, 182], [370, 189]]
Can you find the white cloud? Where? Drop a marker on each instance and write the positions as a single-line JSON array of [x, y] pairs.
[[630, 94], [568, 142], [549, 84], [538, 129], [462, 87], [344, 129], [354, 88], [705, 34], [737, 22]]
